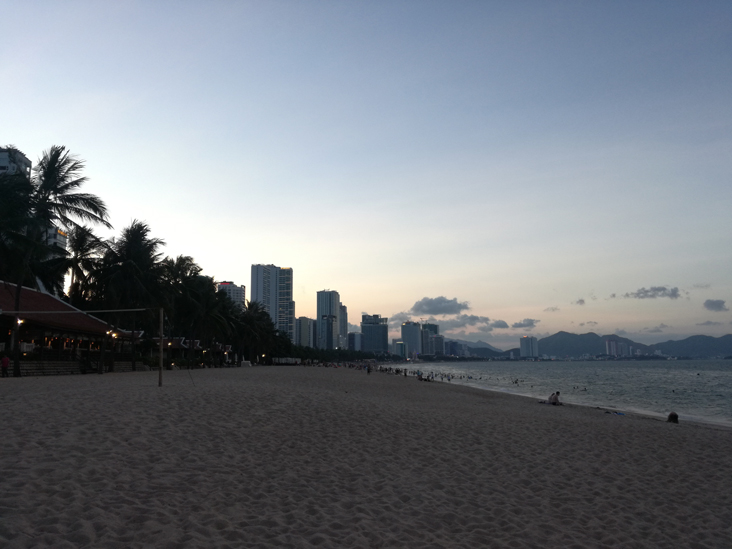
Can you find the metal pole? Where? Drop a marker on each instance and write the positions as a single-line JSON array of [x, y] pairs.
[[160, 376]]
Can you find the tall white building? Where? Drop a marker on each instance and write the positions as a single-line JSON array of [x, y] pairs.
[[328, 326], [285, 305], [529, 347], [237, 294], [272, 288]]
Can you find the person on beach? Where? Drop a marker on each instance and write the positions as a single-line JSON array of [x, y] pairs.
[[554, 399], [4, 365]]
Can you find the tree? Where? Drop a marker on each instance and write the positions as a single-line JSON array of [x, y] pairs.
[[131, 273], [85, 254], [48, 200], [257, 331]]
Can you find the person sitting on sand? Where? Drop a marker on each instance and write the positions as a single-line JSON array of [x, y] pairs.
[[551, 398], [554, 399]]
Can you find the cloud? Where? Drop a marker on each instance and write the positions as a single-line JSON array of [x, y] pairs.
[[654, 292], [613, 296], [589, 323], [709, 323], [580, 301], [551, 309], [620, 332], [717, 305], [526, 323], [702, 286], [462, 321], [439, 306], [354, 327], [656, 330], [496, 324], [395, 320]]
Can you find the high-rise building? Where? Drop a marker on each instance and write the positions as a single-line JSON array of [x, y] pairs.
[[434, 328], [429, 331], [343, 326], [412, 338], [375, 332], [237, 294], [394, 343], [13, 161], [529, 347], [328, 311], [285, 305], [56, 238], [305, 332], [438, 344], [272, 288], [355, 341]]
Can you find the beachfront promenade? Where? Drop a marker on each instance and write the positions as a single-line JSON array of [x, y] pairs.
[[333, 457]]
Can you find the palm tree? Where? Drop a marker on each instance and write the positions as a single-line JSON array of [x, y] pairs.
[[49, 199], [131, 273], [258, 330], [85, 253], [179, 276], [15, 212]]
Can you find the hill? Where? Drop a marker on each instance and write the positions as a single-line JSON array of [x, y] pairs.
[[564, 344], [475, 344], [696, 346]]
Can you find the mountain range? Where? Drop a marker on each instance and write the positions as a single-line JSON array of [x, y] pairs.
[[564, 344]]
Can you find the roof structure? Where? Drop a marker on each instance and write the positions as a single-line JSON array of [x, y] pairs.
[[56, 314]]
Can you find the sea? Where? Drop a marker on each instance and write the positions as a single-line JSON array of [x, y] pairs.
[[697, 390]]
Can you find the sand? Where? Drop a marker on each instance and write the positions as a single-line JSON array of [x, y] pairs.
[[324, 457]]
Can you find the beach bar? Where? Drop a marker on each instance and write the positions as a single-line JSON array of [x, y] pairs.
[[56, 338]]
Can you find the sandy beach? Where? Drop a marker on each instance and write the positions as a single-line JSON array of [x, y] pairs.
[[326, 457]]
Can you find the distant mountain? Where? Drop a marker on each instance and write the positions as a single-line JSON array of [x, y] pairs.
[[475, 344], [696, 346], [484, 352], [564, 344]]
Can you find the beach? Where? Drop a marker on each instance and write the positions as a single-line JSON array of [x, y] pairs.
[[333, 457]]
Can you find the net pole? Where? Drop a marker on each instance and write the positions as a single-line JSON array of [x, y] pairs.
[[160, 372]]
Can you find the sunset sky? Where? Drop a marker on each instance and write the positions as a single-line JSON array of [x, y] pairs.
[[527, 167]]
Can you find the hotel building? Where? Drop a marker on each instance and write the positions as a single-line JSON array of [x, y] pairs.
[[375, 330], [328, 313], [529, 347], [237, 294], [272, 288]]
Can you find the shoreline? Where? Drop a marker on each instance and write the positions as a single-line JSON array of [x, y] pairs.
[[334, 458], [690, 418]]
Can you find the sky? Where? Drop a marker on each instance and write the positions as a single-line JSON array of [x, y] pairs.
[[503, 168]]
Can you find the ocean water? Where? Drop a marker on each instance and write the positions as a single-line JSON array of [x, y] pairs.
[[697, 390]]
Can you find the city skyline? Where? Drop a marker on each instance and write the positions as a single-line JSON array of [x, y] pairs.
[[498, 169]]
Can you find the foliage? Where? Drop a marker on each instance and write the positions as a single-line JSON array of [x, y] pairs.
[[128, 272]]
